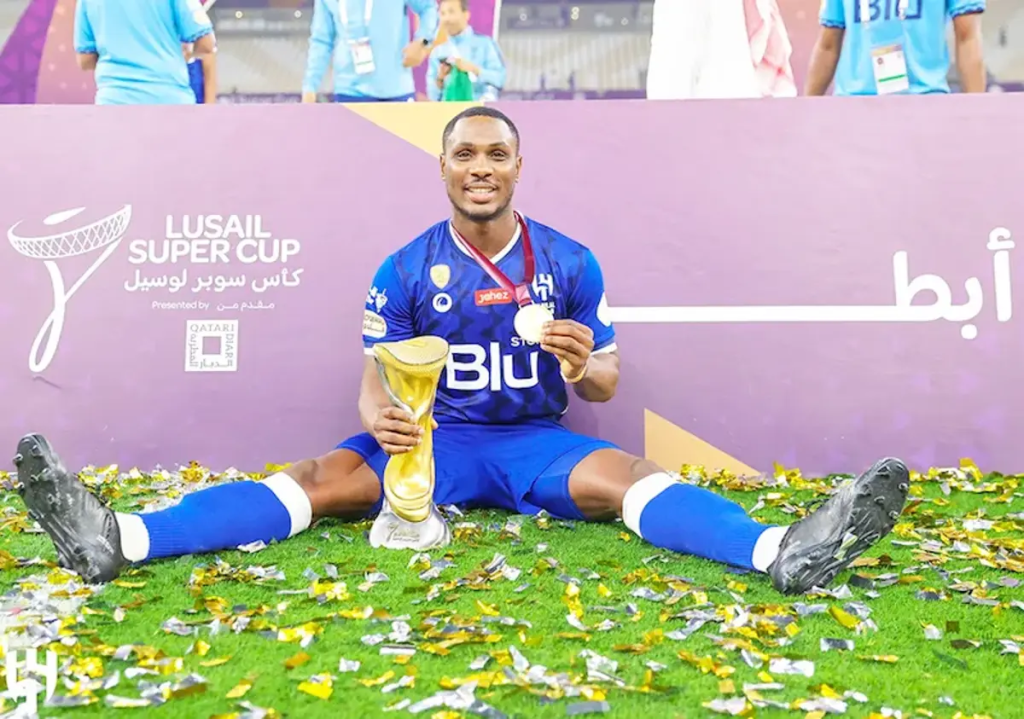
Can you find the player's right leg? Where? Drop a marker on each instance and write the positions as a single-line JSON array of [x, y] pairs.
[[98, 543]]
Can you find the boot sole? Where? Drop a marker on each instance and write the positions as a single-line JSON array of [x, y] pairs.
[[877, 506], [40, 473]]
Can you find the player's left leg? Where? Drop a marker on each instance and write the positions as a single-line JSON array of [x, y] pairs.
[[693, 520]]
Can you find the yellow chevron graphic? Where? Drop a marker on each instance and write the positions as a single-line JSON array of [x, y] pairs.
[[671, 446], [418, 123]]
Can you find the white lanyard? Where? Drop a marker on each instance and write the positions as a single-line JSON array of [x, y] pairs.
[[368, 12], [865, 11]]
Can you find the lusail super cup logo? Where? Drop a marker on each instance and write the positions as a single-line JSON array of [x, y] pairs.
[[211, 266], [104, 234]]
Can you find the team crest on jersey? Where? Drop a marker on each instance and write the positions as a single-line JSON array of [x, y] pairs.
[[440, 275], [544, 287]]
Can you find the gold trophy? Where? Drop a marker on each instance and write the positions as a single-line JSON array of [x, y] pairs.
[[410, 371]]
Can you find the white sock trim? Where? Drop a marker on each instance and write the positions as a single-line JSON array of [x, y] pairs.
[[639, 495], [766, 548], [294, 499], [134, 536]]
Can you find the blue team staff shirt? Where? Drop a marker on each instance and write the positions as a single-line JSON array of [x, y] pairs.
[[139, 47], [922, 33], [432, 286], [388, 32]]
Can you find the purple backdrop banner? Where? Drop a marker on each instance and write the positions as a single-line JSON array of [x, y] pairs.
[[794, 281]]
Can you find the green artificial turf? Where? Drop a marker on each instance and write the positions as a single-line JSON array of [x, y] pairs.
[[984, 680]]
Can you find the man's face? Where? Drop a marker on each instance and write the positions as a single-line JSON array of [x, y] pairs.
[[480, 167], [453, 18]]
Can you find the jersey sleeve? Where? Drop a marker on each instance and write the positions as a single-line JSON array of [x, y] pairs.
[[964, 7], [191, 20], [387, 316], [588, 305], [85, 40], [832, 14]]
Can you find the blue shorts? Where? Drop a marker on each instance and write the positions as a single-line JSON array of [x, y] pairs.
[[520, 468]]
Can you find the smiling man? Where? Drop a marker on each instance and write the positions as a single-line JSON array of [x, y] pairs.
[[499, 406]]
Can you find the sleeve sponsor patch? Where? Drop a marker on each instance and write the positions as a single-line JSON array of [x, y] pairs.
[[374, 325]]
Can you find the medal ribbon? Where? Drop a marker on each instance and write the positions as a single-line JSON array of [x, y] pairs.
[[520, 292]]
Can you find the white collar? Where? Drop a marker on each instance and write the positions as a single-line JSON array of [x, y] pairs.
[[501, 253]]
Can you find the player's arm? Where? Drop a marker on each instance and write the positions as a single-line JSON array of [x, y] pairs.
[[85, 40], [825, 56], [584, 342], [970, 63], [387, 317]]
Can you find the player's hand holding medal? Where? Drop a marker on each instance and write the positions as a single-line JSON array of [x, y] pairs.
[[568, 340], [571, 342]]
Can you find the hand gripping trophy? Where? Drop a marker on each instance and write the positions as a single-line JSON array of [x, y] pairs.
[[410, 371]]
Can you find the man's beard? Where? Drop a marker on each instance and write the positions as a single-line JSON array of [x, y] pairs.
[[481, 218]]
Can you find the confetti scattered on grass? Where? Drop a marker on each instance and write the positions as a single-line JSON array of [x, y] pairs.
[[534, 616]]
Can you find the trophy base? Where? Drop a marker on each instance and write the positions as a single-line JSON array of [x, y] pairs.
[[392, 532]]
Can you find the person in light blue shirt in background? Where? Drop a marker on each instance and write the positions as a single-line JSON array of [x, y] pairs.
[[373, 57], [475, 54], [135, 48], [882, 47]]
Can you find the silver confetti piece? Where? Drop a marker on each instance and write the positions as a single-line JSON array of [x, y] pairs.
[[348, 665]]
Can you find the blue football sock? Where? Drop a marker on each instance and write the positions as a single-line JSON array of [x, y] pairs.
[[226, 516], [691, 520]]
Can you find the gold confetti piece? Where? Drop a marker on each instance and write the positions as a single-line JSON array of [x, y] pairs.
[[826, 691], [726, 686], [216, 662], [402, 658], [843, 617], [296, 660], [364, 613], [320, 686], [199, 647], [128, 585], [655, 636], [766, 678], [625, 537], [815, 715], [883, 658], [382, 679], [445, 714], [573, 635], [232, 715], [489, 609], [737, 586], [240, 689], [91, 667], [603, 591]]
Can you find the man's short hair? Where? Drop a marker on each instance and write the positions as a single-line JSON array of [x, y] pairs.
[[464, 4], [478, 111]]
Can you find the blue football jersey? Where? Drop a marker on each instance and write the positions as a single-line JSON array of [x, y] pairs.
[[433, 286]]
